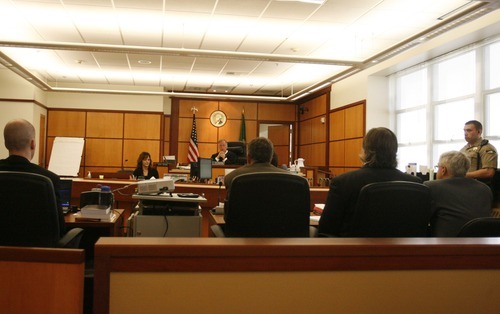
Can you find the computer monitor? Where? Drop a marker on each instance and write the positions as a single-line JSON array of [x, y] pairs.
[[205, 166], [65, 193], [201, 170]]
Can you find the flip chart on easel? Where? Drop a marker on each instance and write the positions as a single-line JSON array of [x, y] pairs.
[[66, 156]]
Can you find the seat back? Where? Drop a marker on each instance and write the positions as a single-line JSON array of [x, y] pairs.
[[481, 227], [28, 208], [392, 209], [240, 149], [268, 205]]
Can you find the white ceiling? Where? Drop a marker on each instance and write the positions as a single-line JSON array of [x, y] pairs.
[[278, 48]]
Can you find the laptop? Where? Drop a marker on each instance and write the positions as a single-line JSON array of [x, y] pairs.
[[65, 194]]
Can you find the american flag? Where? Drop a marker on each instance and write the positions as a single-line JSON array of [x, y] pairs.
[[193, 152]]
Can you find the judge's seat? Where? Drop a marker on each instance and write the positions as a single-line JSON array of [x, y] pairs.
[[240, 149], [392, 209], [267, 204], [29, 212]]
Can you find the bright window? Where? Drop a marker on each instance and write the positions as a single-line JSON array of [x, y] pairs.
[[463, 87], [456, 77], [449, 119]]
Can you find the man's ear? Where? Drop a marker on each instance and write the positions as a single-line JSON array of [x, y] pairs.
[[32, 145]]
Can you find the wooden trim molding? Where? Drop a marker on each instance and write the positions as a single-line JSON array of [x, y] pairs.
[[285, 255]]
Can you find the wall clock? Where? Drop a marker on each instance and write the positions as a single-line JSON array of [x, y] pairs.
[[218, 118]]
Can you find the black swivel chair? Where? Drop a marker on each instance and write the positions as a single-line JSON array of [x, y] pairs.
[[240, 149], [481, 227], [392, 209], [29, 213], [267, 204]]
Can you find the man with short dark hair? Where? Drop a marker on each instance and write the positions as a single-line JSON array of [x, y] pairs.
[[456, 199], [259, 155], [19, 136], [482, 154]]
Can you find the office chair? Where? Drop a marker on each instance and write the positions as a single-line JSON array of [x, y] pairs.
[[481, 227], [267, 204], [392, 209], [240, 149], [29, 215]]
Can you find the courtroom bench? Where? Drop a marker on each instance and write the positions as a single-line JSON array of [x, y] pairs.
[[41, 280], [299, 275]]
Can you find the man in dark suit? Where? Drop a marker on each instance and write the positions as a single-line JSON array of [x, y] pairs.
[[225, 156], [19, 136], [380, 146], [453, 205], [259, 155]]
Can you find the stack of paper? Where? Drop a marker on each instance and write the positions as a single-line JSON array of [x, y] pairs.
[[101, 212]]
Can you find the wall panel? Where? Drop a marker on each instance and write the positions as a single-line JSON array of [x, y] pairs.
[[205, 131], [352, 151], [337, 125], [66, 123], [143, 126], [277, 112], [354, 121], [205, 107], [133, 148], [233, 109], [103, 152], [104, 124], [337, 154]]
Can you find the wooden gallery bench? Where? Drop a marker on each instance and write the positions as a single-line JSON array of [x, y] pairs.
[[319, 275], [41, 280]]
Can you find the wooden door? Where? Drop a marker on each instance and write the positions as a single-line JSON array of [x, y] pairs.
[[280, 136]]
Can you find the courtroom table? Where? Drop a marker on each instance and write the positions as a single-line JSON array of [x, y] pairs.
[[123, 189], [93, 230]]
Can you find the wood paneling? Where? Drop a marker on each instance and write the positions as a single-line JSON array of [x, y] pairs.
[[354, 122], [314, 107], [133, 148], [280, 135], [347, 128], [66, 123], [305, 137], [282, 152], [143, 126], [205, 108], [231, 130], [277, 112], [337, 171], [337, 125], [206, 132], [314, 155], [352, 151], [166, 136], [41, 280], [318, 130], [103, 152], [206, 150], [233, 109], [337, 154], [104, 124]]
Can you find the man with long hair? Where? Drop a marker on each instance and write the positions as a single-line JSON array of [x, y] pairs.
[[380, 147]]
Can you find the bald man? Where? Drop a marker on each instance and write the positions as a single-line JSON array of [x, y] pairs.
[[19, 136]]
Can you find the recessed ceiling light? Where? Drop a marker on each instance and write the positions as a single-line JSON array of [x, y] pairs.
[[144, 62]]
